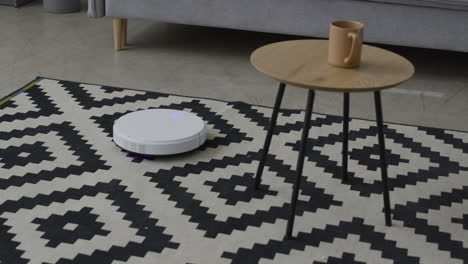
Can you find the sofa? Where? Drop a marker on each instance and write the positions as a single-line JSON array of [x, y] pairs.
[[15, 3], [435, 24]]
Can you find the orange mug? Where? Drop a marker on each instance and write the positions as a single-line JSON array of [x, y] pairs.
[[345, 43]]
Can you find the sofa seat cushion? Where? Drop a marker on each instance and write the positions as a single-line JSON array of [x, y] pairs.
[[449, 4]]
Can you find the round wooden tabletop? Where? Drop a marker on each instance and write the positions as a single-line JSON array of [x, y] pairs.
[[303, 63]]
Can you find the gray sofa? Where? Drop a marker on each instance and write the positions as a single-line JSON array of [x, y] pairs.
[[437, 24], [15, 3]]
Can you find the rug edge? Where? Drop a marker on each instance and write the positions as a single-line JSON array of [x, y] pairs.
[[39, 78]]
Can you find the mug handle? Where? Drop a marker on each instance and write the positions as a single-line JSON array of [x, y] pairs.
[[354, 37]]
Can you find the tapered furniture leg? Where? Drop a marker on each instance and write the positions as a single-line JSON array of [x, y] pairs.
[[117, 33], [383, 162], [124, 32], [266, 146], [300, 163], [345, 136]]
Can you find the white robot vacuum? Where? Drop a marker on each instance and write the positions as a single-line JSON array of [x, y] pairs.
[[159, 132]]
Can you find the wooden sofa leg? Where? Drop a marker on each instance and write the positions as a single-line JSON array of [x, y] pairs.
[[124, 32], [118, 25]]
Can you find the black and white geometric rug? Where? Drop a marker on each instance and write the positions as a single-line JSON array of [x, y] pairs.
[[69, 195]]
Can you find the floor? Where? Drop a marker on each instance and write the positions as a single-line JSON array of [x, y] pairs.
[[208, 62]]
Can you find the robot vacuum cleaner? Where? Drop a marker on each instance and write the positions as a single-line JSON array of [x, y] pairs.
[[158, 132]]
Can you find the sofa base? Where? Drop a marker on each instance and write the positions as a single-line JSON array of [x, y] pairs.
[[394, 24], [15, 3]]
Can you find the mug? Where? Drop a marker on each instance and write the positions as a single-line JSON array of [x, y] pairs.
[[345, 43]]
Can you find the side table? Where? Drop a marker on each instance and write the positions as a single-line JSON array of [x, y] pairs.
[[303, 63]]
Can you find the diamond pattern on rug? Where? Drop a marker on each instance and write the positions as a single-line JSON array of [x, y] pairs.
[[25, 154], [70, 227], [56, 150], [238, 188], [365, 232], [88, 97], [110, 226], [69, 195], [33, 103]]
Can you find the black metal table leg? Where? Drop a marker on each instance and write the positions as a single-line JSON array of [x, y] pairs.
[[266, 146], [383, 162], [345, 136], [300, 162]]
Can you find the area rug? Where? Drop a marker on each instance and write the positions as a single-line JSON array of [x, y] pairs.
[[69, 195]]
